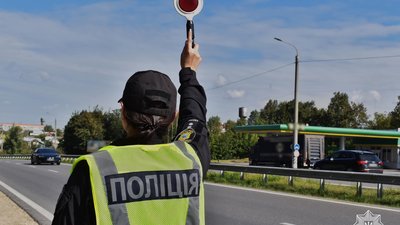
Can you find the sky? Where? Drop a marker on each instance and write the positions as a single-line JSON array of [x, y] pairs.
[[58, 57]]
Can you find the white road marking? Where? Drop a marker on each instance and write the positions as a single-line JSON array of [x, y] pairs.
[[53, 171], [307, 197], [32, 204], [392, 173], [287, 224], [32, 166]]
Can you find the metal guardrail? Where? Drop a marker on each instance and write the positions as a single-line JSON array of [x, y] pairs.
[[64, 158], [379, 179], [360, 178]]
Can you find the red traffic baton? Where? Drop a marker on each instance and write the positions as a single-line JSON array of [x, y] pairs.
[[188, 9]]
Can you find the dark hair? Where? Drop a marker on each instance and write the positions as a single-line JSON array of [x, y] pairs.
[[148, 125]]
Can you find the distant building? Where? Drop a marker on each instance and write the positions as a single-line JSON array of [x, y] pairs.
[[34, 129], [1, 144]]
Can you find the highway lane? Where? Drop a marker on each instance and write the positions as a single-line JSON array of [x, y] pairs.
[[40, 183], [224, 205], [241, 206]]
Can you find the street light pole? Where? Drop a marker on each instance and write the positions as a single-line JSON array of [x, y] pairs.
[[296, 106]]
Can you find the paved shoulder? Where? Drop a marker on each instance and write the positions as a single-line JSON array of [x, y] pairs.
[[12, 214]]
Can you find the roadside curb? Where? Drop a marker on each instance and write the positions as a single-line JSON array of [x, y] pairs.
[[33, 213]]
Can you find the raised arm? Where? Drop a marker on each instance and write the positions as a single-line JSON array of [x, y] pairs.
[[192, 109]]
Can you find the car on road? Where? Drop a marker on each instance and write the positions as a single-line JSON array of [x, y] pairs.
[[45, 155], [351, 160]]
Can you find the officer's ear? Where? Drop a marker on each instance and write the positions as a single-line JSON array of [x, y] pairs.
[[123, 117], [169, 121]]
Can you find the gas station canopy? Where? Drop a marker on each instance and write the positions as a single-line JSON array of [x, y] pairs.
[[317, 130]]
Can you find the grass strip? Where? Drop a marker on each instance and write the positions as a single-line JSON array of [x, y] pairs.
[[310, 187]]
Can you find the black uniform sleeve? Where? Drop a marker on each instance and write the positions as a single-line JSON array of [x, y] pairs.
[[75, 204], [192, 116]]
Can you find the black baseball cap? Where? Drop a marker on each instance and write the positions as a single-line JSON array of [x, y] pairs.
[[150, 92]]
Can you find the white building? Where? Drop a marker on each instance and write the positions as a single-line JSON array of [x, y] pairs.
[[33, 128]]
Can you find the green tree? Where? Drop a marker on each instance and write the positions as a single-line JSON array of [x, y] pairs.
[[255, 118], [339, 110], [310, 114], [238, 144], [214, 127], [243, 141], [225, 147], [342, 113], [80, 128], [381, 121], [13, 142], [268, 113], [227, 143], [360, 117], [48, 128], [395, 115], [276, 112], [230, 126], [59, 133], [285, 112], [42, 137], [112, 125]]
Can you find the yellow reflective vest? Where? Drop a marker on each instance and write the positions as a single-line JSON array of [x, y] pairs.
[[147, 184]]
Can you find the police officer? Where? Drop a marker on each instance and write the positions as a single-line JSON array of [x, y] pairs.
[[140, 179]]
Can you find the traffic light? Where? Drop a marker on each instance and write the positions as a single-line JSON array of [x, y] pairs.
[[188, 9]]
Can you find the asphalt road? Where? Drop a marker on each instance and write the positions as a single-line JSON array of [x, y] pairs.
[[40, 183], [224, 205]]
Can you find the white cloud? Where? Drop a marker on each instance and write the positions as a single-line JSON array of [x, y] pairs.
[[82, 57], [375, 95], [370, 96], [221, 80], [356, 96], [236, 93]]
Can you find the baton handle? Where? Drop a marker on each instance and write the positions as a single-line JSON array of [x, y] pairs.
[[190, 25]]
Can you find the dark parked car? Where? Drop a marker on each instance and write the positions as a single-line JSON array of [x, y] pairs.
[[45, 155], [351, 160]]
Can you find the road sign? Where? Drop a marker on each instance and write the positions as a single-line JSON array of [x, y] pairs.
[[296, 147], [296, 153]]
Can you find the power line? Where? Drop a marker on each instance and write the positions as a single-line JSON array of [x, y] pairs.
[[305, 61], [351, 59], [250, 77]]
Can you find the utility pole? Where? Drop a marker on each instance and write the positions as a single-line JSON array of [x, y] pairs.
[[295, 145]]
